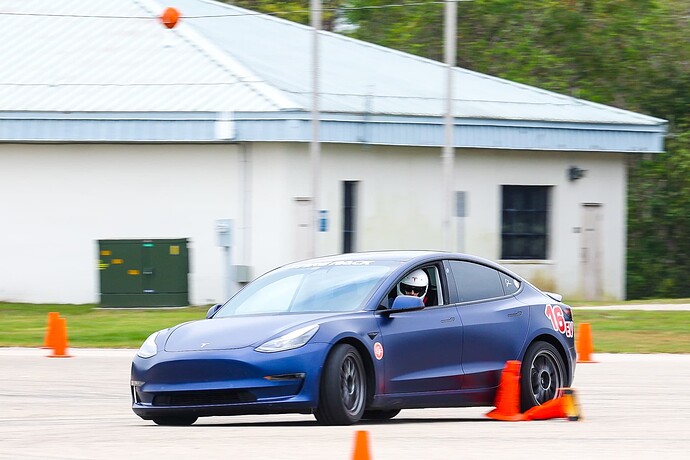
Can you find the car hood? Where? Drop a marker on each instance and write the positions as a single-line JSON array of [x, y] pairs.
[[232, 332]]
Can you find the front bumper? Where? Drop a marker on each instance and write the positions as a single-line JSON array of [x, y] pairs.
[[227, 382]]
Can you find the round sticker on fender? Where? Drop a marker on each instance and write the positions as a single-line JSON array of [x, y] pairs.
[[378, 350]]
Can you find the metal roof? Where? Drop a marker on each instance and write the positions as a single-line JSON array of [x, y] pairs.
[[114, 55], [107, 70]]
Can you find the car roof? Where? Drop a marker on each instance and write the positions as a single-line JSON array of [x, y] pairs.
[[392, 255], [406, 258]]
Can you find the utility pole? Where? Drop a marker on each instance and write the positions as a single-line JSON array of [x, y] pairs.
[[315, 145], [448, 154]]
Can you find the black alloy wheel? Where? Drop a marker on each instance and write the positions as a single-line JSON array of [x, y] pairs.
[[542, 374], [343, 388]]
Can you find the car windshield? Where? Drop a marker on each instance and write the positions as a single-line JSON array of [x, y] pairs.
[[310, 287]]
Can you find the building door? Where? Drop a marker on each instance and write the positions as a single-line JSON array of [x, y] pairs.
[[349, 215], [303, 230], [591, 251]]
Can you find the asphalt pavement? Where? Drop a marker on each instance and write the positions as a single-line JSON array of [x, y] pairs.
[[78, 408]]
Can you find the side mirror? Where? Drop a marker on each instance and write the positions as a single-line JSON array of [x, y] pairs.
[[212, 311], [405, 303]]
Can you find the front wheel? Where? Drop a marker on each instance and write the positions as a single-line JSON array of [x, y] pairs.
[[343, 389], [541, 375]]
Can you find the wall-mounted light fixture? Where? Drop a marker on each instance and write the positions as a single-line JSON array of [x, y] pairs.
[[575, 173]]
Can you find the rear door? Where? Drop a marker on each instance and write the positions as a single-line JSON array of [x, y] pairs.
[[494, 324]]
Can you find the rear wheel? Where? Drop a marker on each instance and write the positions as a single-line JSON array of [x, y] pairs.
[[542, 374], [380, 414], [175, 421], [343, 388]]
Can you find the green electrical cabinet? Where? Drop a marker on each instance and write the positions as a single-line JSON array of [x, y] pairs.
[[144, 273]]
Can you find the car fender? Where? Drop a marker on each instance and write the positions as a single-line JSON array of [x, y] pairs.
[[362, 333]]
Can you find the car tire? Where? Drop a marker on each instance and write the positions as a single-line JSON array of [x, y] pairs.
[[343, 392], [175, 421], [542, 373], [380, 414]]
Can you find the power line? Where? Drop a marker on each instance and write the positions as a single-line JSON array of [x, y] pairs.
[[228, 15]]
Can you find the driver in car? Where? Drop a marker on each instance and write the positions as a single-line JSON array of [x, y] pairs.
[[415, 283]]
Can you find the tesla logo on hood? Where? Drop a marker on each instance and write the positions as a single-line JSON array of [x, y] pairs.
[[203, 344]]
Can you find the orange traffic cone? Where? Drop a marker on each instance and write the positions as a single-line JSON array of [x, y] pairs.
[[583, 344], [361, 446], [51, 329], [508, 394], [60, 340], [572, 408], [562, 406]]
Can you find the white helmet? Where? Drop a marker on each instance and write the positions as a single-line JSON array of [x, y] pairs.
[[416, 282]]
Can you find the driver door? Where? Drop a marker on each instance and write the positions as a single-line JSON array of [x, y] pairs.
[[422, 349]]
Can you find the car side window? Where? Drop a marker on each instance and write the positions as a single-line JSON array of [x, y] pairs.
[[435, 293], [475, 281], [434, 296], [510, 284]]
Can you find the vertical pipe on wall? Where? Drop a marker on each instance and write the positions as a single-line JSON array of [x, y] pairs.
[[314, 146], [448, 154], [246, 201]]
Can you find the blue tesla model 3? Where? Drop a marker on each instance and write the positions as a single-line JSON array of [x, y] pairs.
[[336, 337]]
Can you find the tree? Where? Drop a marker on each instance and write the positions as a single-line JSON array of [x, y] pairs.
[[631, 54], [659, 223]]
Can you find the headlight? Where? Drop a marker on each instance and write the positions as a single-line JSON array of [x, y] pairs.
[[289, 341], [149, 347]]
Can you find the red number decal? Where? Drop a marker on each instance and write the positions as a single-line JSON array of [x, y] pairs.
[[569, 329], [555, 315], [550, 314], [560, 322]]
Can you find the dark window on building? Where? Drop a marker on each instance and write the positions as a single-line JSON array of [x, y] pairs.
[[349, 215], [476, 282], [524, 233]]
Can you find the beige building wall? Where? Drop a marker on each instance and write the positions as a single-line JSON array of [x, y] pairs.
[[400, 206], [57, 200]]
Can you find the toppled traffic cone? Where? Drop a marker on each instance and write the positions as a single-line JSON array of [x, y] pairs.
[[583, 345], [508, 394], [563, 406], [361, 446], [60, 340], [51, 329], [572, 407]]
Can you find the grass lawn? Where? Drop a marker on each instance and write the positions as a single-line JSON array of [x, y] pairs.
[[635, 331], [88, 326]]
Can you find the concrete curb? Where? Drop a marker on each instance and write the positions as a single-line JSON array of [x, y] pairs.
[[645, 307]]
